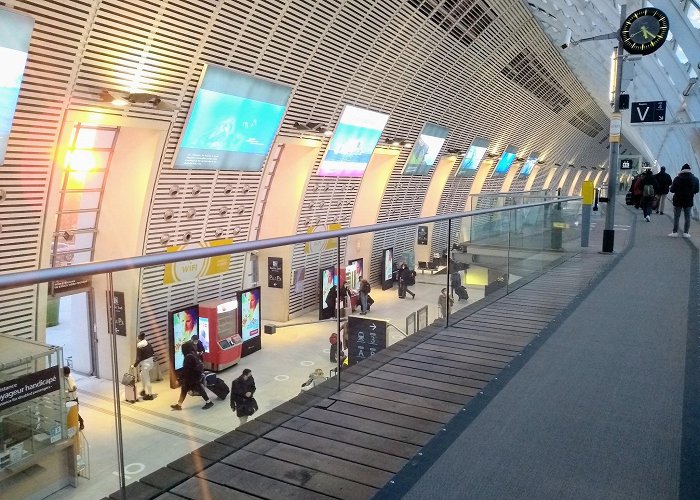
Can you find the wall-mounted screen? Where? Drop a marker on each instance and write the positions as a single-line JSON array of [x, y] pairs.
[[529, 164], [353, 142], [183, 324], [426, 149], [15, 34], [387, 268], [233, 121], [250, 314], [506, 160], [326, 306], [472, 159], [359, 270]]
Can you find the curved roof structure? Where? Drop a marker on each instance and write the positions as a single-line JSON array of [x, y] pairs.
[[670, 74]]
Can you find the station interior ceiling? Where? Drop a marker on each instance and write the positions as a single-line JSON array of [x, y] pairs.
[[670, 74]]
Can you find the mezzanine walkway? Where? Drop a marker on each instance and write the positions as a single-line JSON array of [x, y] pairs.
[[573, 386]]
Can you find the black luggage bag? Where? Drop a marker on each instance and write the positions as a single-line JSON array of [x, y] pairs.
[[216, 385], [461, 292]]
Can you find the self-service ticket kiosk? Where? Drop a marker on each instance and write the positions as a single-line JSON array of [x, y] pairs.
[[219, 319]]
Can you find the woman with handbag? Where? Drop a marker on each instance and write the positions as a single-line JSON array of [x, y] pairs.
[[242, 400], [191, 378]]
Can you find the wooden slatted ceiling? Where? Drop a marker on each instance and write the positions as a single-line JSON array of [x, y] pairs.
[[384, 55]]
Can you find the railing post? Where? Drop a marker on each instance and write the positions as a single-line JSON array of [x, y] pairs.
[[115, 386], [340, 337], [449, 254]]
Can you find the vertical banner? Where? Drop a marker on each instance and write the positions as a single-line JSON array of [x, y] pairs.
[[422, 235], [119, 313], [274, 272]]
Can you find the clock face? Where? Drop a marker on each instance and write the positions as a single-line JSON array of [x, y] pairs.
[[644, 31]]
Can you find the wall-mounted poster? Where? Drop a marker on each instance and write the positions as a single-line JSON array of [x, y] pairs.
[[274, 272], [506, 160], [298, 280], [119, 314], [353, 142], [426, 149], [422, 235], [15, 34], [472, 159], [233, 121], [529, 164]]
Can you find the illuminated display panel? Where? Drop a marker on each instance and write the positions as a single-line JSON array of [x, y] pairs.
[[529, 165], [183, 323], [470, 162], [426, 149], [233, 121], [250, 314], [353, 142], [388, 266], [15, 34], [507, 159]]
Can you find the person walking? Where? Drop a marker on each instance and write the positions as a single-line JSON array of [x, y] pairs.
[[404, 275], [191, 378], [665, 182], [365, 288], [649, 189], [445, 303], [242, 400], [684, 188], [636, 190], [144, 361], [72, 392]]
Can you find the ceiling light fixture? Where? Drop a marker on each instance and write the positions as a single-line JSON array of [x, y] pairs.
[[119, 99]]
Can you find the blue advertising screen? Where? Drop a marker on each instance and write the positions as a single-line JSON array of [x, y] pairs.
[[15, 34], [426, 149], [184, 324], [233, 121], [529, 165], [250, 314], [507, 159], [470, 162], [353, 142]]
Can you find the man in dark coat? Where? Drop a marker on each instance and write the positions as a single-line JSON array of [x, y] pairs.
[[191, 377], [684, 188], [665, 182], [242, 400], [404, 277]]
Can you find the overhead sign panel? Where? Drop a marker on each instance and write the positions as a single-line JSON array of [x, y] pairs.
[[472, 159], [426, 149], [649, 111]]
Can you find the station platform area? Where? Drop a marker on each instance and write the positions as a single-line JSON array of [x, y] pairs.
[[584, 382]]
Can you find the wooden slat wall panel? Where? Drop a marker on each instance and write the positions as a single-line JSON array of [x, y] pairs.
[[386, 55]]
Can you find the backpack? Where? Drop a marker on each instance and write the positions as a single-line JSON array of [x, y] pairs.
[[648, 191], [637, 187], [366, 287]]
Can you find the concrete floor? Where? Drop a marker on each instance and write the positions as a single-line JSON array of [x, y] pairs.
[[154, 435]]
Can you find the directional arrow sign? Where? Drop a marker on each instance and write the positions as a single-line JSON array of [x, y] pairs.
[[373, 326], [366, 337], [646, 112]]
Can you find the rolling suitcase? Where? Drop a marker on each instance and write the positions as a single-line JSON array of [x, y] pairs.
[[462, 292], [216, 385], [129, 382]]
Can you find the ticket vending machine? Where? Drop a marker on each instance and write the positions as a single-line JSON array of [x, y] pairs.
[[219, 332]]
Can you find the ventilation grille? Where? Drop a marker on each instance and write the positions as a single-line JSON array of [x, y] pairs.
[[463, 20], [530, 73], [586, 124]]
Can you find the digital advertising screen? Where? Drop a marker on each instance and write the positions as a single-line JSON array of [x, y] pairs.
[[15, 34], [506, 160], [426, 149], [233, 121], [204, 333], [359, 269], [353, 142], [329, 277], [529, 165], [388, 266], [472, 159], [183, 323], [250, 314]]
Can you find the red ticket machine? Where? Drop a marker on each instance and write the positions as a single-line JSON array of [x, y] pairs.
[[218, 331]]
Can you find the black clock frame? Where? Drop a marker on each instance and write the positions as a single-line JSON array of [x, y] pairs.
[[659, 37]]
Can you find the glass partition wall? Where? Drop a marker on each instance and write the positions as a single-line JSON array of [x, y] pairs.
[[291, 315]]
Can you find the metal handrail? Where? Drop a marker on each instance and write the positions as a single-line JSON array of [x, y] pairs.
[[25, 278]]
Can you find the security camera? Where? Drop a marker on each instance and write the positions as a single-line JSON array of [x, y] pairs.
[[567, 39]]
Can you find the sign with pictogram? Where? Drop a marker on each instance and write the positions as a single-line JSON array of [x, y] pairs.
[[366, 337], [649, 111]]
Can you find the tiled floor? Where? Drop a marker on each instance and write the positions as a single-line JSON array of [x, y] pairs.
[[154, 435]]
